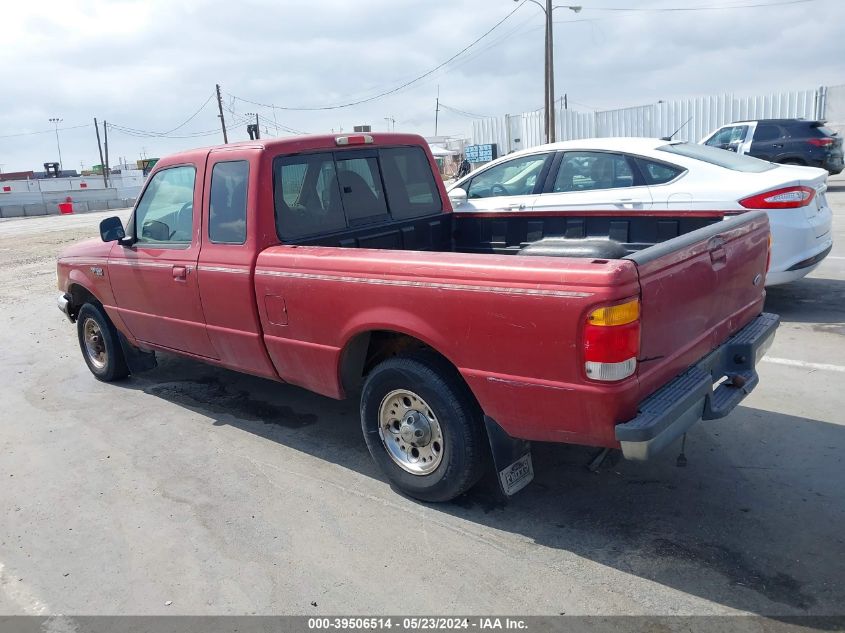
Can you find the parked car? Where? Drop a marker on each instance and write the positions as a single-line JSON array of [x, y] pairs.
[[330, 262], [785, 141], [608, 176]]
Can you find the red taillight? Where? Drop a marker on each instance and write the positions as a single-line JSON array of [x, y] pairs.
[[786, 198], [612, 341], [821, 142]]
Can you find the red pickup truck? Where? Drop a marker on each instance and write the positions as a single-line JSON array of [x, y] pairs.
[[335, 263]]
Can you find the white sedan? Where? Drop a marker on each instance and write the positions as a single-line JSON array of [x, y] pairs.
[[618, 174]]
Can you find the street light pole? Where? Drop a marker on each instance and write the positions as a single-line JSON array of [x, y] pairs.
[[549, 80], [55, 121]]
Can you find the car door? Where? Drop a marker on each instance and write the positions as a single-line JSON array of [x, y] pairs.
[[507, 186], [154, 280], [594, 181], [768, 142]]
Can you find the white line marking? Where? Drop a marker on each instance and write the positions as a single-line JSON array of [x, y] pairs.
[[803, 364], [834, 257]]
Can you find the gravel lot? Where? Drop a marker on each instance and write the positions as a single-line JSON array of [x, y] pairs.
[[194, 490]]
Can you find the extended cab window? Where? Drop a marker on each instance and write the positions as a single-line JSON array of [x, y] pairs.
[[227, 221], [165, 213]]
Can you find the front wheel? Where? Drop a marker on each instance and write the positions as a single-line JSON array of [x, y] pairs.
[[100, 344], [422, 427]]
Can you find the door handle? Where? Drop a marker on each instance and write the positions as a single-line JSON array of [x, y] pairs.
[[180, 273], [516, 207]]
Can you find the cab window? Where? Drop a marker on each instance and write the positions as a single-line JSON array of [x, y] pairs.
[[165, 213], [516, 177]]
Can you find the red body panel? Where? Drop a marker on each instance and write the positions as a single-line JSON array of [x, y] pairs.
[[513, 326]]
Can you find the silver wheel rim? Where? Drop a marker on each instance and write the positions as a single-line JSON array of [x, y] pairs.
[[410, 432], [95, 347]]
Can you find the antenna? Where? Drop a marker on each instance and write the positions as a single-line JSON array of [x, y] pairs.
[[669, 138]]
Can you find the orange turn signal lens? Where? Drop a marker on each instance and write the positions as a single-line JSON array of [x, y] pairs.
[[616, 315]]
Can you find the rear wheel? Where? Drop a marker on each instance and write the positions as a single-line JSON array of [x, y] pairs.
[[100, 344], [422, 427]]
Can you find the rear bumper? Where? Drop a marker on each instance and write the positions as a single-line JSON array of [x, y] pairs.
[[672, 410]]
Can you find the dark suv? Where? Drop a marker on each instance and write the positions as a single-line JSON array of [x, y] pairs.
[[789, 141]]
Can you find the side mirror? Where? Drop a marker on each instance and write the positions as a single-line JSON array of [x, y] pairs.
[[111, 230], [457, 196]]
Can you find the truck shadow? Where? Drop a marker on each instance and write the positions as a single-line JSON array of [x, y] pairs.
[[752, 523], [809, 300]]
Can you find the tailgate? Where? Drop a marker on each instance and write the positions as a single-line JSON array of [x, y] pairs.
[[696, 291]]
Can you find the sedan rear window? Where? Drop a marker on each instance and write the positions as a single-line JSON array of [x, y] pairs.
[[721, 157]]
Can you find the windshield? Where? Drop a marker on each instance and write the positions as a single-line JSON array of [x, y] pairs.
[[721, 157]]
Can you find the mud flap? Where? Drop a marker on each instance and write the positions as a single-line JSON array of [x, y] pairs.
[[511, 459], [137, 360]]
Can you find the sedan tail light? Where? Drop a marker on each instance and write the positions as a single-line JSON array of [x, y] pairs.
[[821, 142], [786, 198], [612, 341]]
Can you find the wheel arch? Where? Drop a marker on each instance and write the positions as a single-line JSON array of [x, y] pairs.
[[80, 295], [366, 348]]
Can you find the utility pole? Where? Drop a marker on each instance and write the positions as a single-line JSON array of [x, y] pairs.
[[100, 148], [106, 169], [437, 110], [565, 101], [55, 121], [549, 79], [551, 70], [390, 120], [220, 109]]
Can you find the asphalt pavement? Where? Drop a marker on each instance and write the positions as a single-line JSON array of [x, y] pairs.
[[195, 490]]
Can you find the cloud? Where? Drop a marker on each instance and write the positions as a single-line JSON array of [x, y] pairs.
[[150, 64]]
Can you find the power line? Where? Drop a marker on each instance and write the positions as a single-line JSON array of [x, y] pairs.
[[701, 8], [190, 118], [463, 112], [52, 131], [393, 90]]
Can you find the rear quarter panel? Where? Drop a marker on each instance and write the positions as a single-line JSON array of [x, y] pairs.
[[510, 325]]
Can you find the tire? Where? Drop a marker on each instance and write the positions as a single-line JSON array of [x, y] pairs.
[[442, 425], [100, 344]]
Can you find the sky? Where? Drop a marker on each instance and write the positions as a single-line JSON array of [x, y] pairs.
[[150, 67]]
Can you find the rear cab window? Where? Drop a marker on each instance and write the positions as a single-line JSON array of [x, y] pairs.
[[719, 157], [332, 191]]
